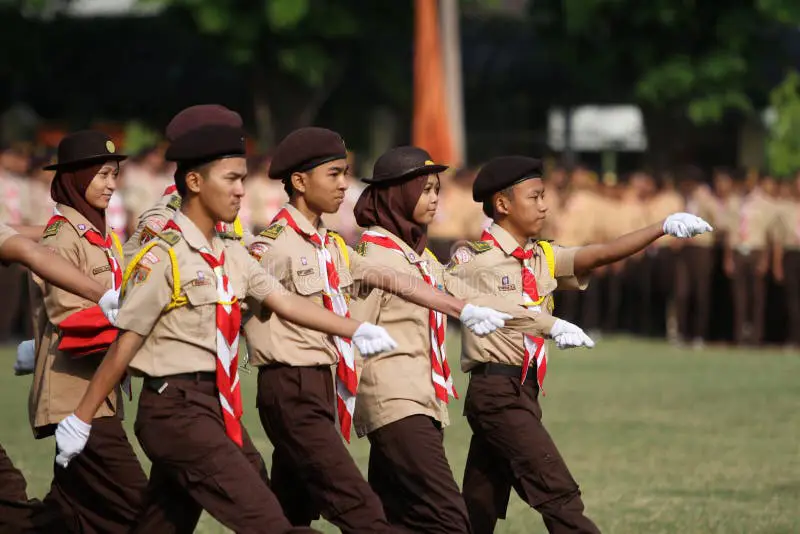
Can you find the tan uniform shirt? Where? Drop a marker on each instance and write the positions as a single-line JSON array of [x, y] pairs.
[[183, 340], [788, 225], [6, 232], [60, 380], [751, 221], [705, 205], [494, 271], [151, 222], [292, 259]]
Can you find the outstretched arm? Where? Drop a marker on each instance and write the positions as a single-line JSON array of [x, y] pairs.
[[412, 289], [592, 256], [298, 310]]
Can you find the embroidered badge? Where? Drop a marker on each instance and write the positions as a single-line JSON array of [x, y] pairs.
[[506, 285], [170, 237], [146, 235], [257, 250], [462, 255], [303, 260], [305, 272], [273, 231], [480, 246], [156, 223], [98, 270], [52, 229], [150, 257], [361, 248], [81, 227], [174, 203], [140, 274]]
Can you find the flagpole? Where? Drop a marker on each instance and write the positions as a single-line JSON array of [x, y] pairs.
[[451, 52]]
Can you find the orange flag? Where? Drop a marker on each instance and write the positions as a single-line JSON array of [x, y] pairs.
[[430, 128]]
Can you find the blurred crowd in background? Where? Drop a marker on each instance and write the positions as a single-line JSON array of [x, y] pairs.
[[739, 285]]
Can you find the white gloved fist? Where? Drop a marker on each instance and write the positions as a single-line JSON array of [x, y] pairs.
[[685, 225], [482, 321], [372, 339], [567, 335], [71, 437], [109, 304], [26, 358]]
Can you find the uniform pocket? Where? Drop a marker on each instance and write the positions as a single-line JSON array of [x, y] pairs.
[[203, 301]]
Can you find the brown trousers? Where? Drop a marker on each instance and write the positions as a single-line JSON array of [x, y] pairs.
[[791, 270], [511, 448], [102, 489], [18, 514], [694, 277], [409, 471], [749, 298], [312, 472], [196, 466]]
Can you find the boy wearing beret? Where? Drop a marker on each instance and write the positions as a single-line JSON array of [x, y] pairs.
[[312, 472], [510, 446]]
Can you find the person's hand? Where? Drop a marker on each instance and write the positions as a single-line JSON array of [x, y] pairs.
[[481, 320], [71, 437], [685, 225], [567, 335], [109, 304], [26, 358], [372, 339]]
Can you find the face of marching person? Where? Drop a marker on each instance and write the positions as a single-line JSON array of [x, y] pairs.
[[522, 206], [324, 186], [425, 210], [103, 185], [220, 186]]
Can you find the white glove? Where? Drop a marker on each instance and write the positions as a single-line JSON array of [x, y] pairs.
[[26, 358], [685, 225], [567, 335], [482, 320], [372, 339], [71, 437], [109, 303]]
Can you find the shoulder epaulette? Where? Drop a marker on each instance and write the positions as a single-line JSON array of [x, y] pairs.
[[361, 248], [273, 231], [170, 237], [174, 203], [228, 235], [52, 229], [480, 246]]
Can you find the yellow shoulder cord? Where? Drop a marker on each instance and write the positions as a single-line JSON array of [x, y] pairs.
[[550, 257], [177, 300], [238, 229], [432, 254], [342, 246], [117, 244]]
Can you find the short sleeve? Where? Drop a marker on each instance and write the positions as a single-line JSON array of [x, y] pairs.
[[146, 294], [260, 283], [565, 269]]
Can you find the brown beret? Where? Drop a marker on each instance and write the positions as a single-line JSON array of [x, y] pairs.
[[304, 149], [205, 132], [505, 171]]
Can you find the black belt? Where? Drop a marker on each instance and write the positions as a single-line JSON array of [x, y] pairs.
[[486, 369], [158, 383]]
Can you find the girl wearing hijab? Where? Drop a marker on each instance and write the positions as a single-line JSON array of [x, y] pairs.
[[403, 394], [102, 490]]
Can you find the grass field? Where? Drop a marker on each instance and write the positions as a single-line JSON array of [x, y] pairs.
[[661, 440]]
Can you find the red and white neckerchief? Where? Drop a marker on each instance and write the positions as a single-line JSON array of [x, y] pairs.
[[333, 300], [440, 369], [170, 190], [533, 346], [229, 321]]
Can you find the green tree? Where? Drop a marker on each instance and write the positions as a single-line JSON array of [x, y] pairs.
[[685, 62], [783, 143]]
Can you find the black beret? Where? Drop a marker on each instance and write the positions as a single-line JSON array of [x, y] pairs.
[[304, 149], [205, 133], [505, 171]]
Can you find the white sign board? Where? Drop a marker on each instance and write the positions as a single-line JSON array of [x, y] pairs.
[[599, 128]]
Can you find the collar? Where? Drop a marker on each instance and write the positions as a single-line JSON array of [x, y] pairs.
[[304, 224], [506, 241], [194, 237], [409, 253], [81, 223]]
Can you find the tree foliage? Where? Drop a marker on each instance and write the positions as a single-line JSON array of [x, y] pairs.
[[783, 144]]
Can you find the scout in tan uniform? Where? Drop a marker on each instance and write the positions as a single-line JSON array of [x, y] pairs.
[[510, 446], [786, 262], [103, 491], [180, 319], [751, 222], [404, 419], [312, 472], [17, 512]]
